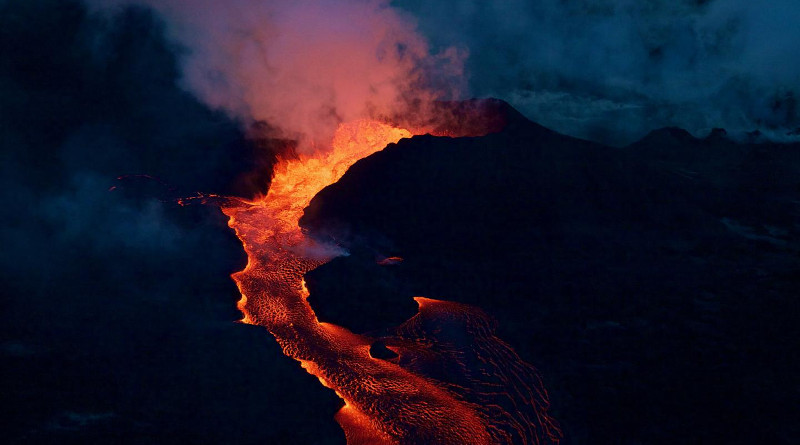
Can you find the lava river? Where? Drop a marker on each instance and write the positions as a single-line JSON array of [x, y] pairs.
[[453, 381]]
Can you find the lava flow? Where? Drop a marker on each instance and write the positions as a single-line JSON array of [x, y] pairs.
[[436, 390]]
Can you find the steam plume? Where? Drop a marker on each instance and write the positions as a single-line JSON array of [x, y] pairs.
[[306, 66]]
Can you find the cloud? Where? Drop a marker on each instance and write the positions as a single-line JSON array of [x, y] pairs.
[[613, 70]]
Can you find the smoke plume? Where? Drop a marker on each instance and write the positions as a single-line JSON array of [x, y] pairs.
[[306, 66]]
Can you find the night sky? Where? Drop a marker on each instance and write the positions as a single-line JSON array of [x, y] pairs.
[[648, 273]]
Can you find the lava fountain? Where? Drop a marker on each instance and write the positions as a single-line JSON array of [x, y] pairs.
[[435, 391]]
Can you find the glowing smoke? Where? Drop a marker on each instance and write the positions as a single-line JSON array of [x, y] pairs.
[[306, 66]]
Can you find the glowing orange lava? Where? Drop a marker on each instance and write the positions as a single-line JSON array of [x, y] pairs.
[[384, 402], [268, 226]]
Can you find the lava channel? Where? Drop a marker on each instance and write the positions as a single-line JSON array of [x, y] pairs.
[[469, 388]]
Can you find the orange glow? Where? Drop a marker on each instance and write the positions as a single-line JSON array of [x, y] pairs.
[[296, 181], [391, 261], [268, 226], [384, 403]]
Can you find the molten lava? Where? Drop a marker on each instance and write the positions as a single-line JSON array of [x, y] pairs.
[[437, 390]]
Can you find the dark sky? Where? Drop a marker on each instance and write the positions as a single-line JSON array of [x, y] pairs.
[[117, 300]]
